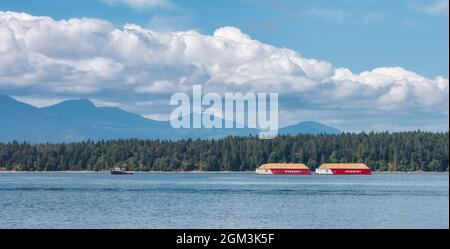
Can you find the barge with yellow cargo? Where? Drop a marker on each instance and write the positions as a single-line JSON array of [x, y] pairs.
[[283, 169], [343, 169]]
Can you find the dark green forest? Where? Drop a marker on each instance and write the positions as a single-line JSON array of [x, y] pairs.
[[403, 151]]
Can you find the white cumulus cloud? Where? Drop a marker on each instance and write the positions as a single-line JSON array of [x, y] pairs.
[[60, 59], [142, 4], [430, 7]]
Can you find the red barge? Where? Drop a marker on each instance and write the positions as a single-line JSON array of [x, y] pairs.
[[283, 169], [343, 169]]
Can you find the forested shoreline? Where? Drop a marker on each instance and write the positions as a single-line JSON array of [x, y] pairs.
[[402, 151]]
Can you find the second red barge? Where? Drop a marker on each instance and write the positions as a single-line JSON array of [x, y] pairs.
[[343, 169]]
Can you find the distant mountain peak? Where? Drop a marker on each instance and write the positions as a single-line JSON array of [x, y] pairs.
[[11, 104], [309, 127], [309, 122], [80, 103], [6, 98]]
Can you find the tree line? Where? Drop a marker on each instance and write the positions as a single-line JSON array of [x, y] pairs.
[[401, 151]]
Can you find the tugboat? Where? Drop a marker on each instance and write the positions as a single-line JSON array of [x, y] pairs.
[[119, 171]]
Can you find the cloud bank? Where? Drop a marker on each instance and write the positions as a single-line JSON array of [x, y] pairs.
[[137, 69], [141, 4], [434, 8]]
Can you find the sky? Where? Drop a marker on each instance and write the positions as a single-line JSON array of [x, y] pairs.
[[356, 65]]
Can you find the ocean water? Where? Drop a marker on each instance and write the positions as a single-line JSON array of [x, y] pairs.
[[223, 200]]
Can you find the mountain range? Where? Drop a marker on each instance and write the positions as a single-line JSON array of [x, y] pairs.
[[78, 120]]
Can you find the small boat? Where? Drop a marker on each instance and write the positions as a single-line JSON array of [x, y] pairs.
[[119, 171]]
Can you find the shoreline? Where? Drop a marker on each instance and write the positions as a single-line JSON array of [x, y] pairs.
[[199, 172]]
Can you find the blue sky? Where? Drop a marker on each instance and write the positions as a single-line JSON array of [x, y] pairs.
[[356, 65], [360, 35]]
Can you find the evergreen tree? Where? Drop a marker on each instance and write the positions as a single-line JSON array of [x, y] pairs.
[[405, 151]]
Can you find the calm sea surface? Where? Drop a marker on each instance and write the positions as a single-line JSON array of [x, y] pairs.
[[223, 200]]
